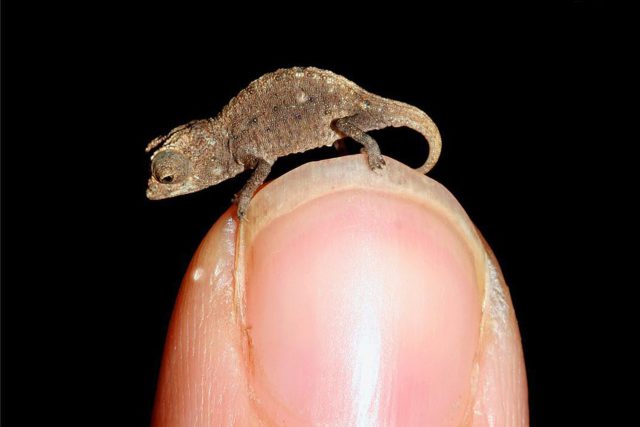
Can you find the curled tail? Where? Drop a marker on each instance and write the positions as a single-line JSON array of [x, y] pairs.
[[405, 115]]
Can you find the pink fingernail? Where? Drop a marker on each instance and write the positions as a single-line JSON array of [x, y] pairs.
[[363, 308]]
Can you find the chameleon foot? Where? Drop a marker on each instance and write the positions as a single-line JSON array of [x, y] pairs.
[[346, 126]]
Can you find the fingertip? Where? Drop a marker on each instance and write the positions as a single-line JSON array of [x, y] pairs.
[[343, 297]]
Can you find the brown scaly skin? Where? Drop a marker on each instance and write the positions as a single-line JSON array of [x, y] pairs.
[[284, 112]]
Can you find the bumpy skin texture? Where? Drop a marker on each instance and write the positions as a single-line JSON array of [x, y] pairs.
[[284, 112]]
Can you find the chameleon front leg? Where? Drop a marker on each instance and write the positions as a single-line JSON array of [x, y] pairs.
[[346, 126], [260, 173]]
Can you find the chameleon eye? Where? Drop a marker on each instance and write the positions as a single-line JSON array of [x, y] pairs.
[[170, 167]]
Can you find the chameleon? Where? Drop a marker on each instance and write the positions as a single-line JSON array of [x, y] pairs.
[[287, 111]]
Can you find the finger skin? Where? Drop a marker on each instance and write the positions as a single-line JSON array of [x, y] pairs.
[[344, 298]]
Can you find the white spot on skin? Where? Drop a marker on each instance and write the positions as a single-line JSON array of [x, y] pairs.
[[221, 274], [197, 274], [218, 270], [302, 97], [497, 302]]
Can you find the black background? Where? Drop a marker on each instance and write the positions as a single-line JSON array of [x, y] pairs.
[[91, 268]]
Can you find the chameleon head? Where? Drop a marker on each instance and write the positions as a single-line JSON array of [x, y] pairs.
[[190, 158]]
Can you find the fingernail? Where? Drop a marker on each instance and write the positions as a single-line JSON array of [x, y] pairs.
[[362, 298]]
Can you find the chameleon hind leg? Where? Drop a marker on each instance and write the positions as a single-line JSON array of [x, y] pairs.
[[347, 127]]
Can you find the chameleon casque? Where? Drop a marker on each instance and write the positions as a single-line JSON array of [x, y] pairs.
[[284, 112]]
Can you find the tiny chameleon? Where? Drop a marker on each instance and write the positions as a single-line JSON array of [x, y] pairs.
[[284, 112]]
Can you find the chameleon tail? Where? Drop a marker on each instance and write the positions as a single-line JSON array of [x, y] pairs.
[[416, 119]]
